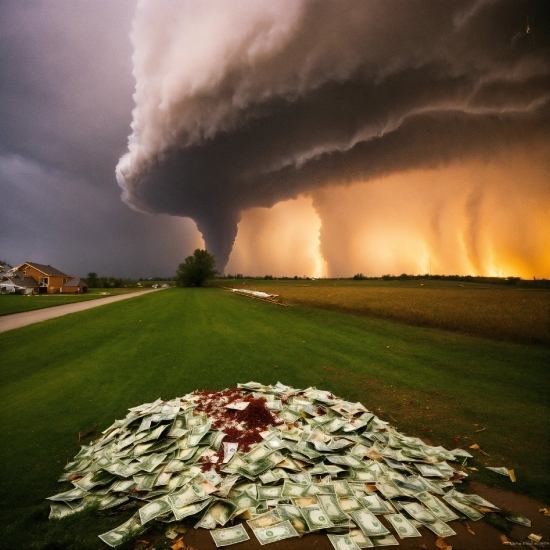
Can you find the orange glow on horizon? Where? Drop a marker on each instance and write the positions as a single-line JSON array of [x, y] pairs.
[[279, 241], [476, 218]]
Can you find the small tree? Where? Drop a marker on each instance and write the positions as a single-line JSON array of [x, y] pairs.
[[196, 269]]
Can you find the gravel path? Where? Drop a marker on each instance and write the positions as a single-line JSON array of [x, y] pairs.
[[18, 320]]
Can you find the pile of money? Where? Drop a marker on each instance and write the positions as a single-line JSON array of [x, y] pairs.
[[286, 461]]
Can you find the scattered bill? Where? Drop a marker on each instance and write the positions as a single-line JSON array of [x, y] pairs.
[[264, 520], [360, 538], [343, 542], [331, 506], [229, 535], [368, 523], [436, 507], [274, 533], [402, 526], [294, 515], [124, 532], [154, 509], [386, 540], [472, 513], [316, 518]]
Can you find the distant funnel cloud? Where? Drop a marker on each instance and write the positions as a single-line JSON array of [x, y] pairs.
[[247, 103]]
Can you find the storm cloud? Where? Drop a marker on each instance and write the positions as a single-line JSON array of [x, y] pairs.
[[247, 104]]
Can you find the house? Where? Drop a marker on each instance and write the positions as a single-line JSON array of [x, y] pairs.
[[43, 279], [18, 285], [76, 284]]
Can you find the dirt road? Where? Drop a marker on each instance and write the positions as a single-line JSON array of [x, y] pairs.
[[18, 320]]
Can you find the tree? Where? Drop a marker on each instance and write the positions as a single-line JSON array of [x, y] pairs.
[[196, 269], [92, 279]]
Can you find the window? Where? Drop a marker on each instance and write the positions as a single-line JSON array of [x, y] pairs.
[[43, 281]]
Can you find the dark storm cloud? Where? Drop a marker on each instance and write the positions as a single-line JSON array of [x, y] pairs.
[[287, 99], [65, 108]]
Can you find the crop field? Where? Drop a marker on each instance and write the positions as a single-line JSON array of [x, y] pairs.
[[17, 303], [78, 373], [491, 311]]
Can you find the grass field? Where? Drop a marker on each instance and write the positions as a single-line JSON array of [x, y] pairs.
[[88, 368], [492, 311], [17, 303]]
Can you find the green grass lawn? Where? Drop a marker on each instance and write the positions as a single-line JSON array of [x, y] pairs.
[[502, 312], [64, 376], [17, 303]]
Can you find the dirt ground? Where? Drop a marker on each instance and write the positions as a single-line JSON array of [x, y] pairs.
[[486, 537]]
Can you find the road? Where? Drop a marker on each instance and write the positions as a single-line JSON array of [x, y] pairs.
[[18, 320]]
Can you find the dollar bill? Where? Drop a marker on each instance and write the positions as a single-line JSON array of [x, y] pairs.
[[331, 506], [229, 535], [237, 405], [244, 501], [274, 533], [350, 503], [346, 460], [189, 509], [256, 468], [500, 470], [58, 511], [343, 542], [304, 502], [264, 520], [154, 509], [221, 511], [294, 489], [197, 433], [386, 540], [191, 493], [365, 476], [374, 504], [257, 453], [520, 520], [295, 516], [124, 532], [208, 521], [469, 511], [73, 494], [478, 501], [229, 450], [226, 484], [436, 507], [360, 538], [389, 490], [342, 488], [268, 493], [368, 523], [439, 528], [316, 518], [402, 526], [418, 512], [429, 470]]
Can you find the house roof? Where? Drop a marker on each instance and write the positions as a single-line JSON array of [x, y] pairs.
[[46, 269], [25, 282], [76, 281]]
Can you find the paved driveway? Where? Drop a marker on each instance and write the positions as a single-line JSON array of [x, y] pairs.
[[17, 320]]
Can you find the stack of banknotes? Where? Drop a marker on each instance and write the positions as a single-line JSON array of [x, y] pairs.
[[321, 464]]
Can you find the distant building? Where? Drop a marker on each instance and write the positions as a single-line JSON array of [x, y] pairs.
[[31, 278]]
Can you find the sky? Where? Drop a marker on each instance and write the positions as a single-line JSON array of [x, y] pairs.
[[289, 138]]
